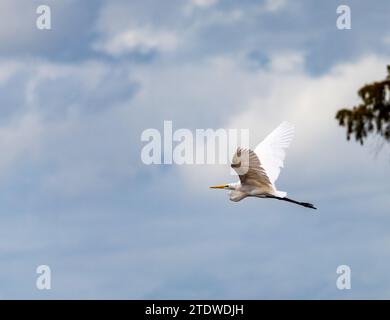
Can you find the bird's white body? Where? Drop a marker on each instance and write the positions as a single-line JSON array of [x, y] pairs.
[[240, 191], [259, 169]]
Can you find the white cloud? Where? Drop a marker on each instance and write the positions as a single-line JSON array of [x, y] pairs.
[[203, 3], [20, 140], [386, 40], [141, 40], [287, 61], [8, 69], [42, 128], [274, 5], [221, 88], [310, 102]]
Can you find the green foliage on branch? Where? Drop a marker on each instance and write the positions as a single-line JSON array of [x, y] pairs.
[[372, 116]]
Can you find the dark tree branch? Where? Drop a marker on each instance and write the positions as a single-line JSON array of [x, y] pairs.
[[372, 115]]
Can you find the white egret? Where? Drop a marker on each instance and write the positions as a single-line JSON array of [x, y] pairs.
[[259, 169]]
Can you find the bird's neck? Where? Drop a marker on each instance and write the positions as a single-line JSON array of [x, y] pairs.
[[233, 186]]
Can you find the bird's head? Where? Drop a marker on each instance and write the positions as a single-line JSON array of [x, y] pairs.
[[229, 186]]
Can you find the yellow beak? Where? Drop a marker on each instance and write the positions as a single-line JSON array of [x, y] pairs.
[[219, 187]]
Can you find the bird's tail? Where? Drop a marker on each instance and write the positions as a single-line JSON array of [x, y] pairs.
[[281, 194]]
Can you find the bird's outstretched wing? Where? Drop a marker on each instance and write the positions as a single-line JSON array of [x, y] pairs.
[[248, 167], [271, 151]]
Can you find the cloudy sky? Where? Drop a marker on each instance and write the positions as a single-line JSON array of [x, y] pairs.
[[75, 195]]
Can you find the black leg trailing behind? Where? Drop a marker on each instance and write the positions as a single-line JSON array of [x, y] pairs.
[[304, 204]]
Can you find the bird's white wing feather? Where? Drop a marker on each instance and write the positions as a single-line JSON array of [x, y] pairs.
[[271, 151], [248, 167]]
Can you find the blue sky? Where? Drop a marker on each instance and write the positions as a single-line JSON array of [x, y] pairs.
[[76, 196]]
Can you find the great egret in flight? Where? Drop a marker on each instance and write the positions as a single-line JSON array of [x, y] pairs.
[[259, 169]]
